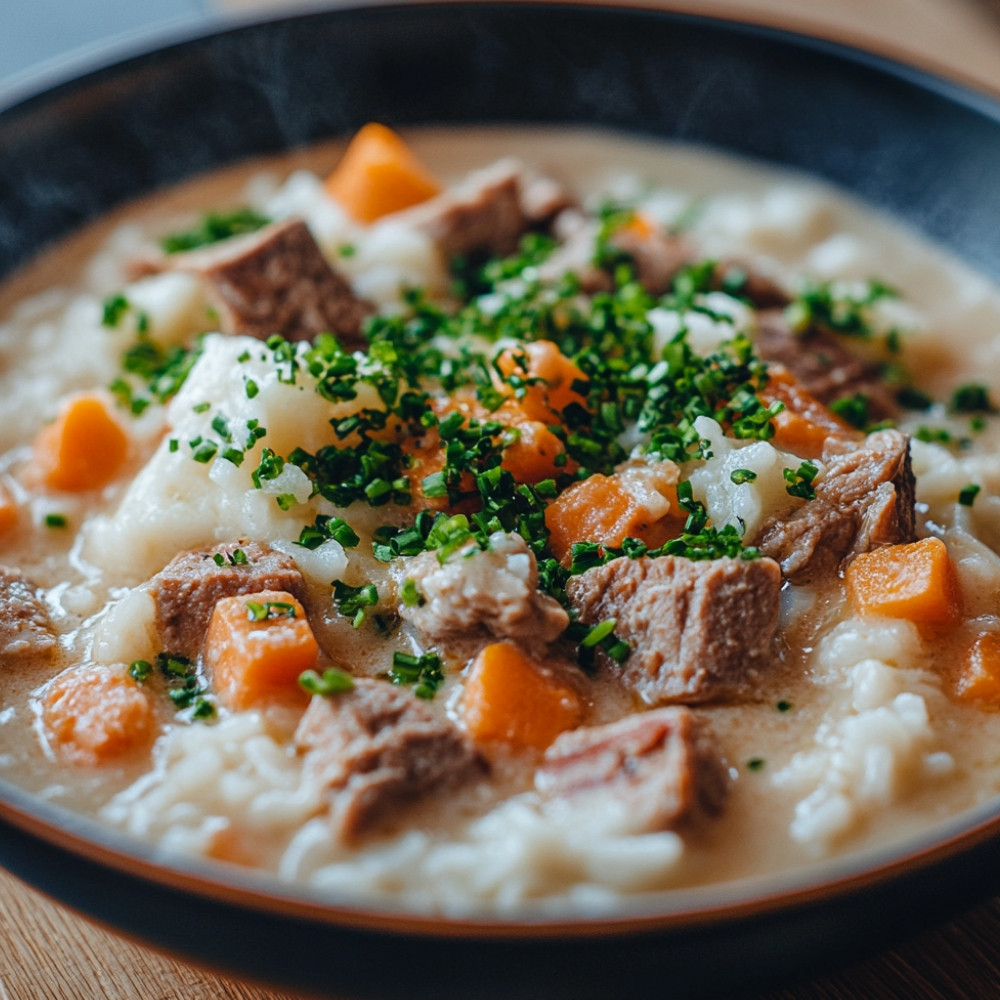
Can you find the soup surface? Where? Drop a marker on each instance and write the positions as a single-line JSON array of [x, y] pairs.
[[505, 518]]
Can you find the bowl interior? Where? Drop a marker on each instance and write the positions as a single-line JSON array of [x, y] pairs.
[[74, 152]]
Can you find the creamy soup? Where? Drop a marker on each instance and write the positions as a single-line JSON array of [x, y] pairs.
[[505, 518]]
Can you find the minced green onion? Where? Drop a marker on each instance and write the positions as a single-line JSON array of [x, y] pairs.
[[967, 495], [332, 681]]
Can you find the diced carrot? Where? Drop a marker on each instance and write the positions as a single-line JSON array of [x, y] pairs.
[[9, 509], [510, 697], [83, 448], [806, 424], [94, 714], [379, 174], [427, 457], [532, 457], [256, 647], [541, 359], [978, 677], [916, 581], [600, 509], [639, 226], [236, 845]]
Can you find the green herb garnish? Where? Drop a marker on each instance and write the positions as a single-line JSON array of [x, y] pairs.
[[114, 310], [426, 672], [213, 227], [799, 482], [352, 601], [331, 682], [967, 495], [259, 611]]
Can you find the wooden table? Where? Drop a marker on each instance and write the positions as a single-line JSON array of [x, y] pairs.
[[47, 953]]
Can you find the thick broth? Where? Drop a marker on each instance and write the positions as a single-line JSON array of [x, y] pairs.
[[784, 747]]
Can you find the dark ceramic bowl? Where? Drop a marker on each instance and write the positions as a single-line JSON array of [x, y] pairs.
[[918, 147]]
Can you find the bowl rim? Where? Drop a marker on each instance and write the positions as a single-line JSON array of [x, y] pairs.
[[712, 904], [88, 63], [671, 909]]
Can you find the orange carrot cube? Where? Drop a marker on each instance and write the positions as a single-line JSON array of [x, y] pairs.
[[978, 678], [544, 400], [10, 510], [511, 698], [95, 714], [83, 448], [256, 647], [600, 509], [806, 424], [915, 581], [532, 457], [379, 174]]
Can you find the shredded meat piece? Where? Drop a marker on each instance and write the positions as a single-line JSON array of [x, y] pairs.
[[761, 291], [657, 256], [542, 197], [660, 767], [492, 592], [865, 499], [699, 631], [187, 588], [377, 748], [277, 280], [26, 628], [822, 364], [490, 211], [577, 235]]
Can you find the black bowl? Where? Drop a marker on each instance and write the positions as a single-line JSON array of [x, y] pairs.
[[921, 148]]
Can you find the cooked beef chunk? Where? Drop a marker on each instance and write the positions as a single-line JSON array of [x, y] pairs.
[[186, 589], [494, 592], [577, 236], [762, 292], [823, 364], [377, 748], [866, 498], [699, 631], [542, 197], [277, 280], [489, 212], [657, 256], [660, 767], [25, 626]]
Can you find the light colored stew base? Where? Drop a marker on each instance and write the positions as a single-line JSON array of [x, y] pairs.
[[871, 743]]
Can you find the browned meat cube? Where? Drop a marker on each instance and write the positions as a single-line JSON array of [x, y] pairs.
[[187, 588], [657, 256], [822, 364], [659, 766], [489, 212], [865, 499], [577, 235], [542, 197], [758, 289], [699, 631], [378, 748], [25, 625], [277, 280]]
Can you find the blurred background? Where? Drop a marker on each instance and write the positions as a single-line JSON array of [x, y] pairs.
[[959, 37]]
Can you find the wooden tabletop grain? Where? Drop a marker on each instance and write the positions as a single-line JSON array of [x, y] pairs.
[[48, 953]]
